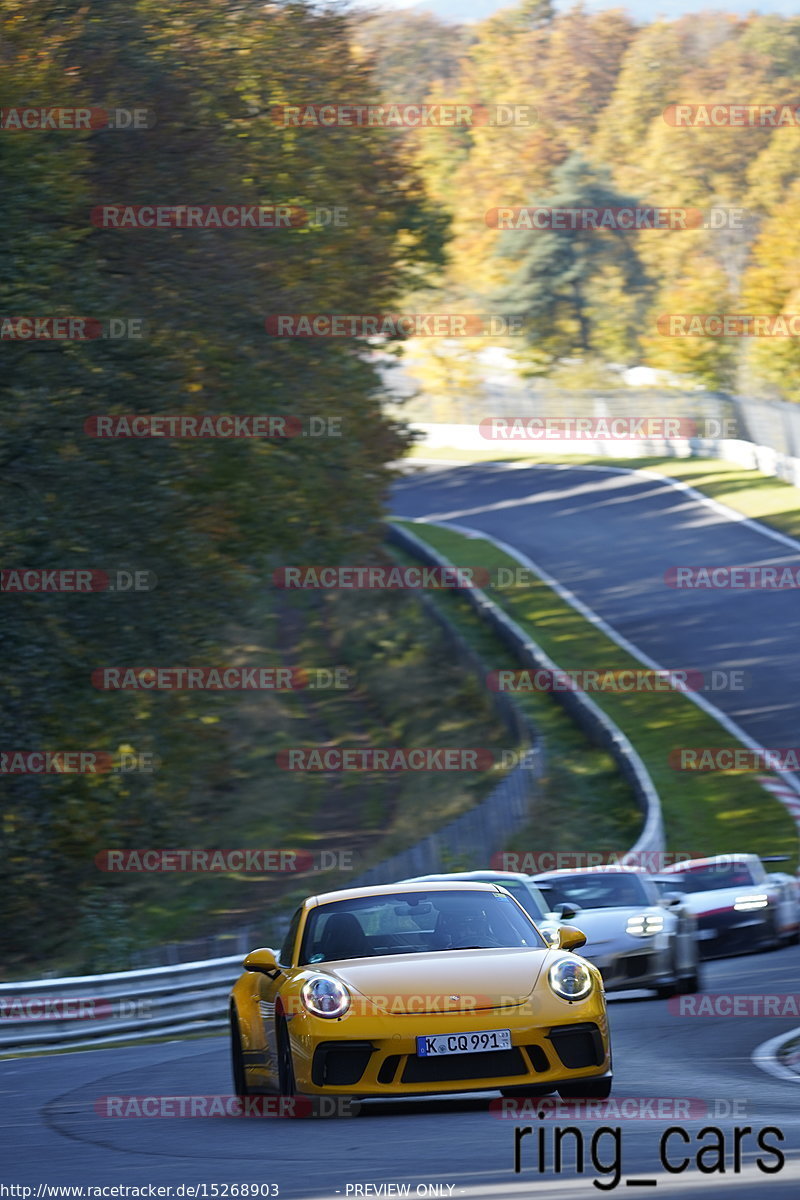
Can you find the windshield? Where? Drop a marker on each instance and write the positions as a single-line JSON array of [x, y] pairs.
[[415, 923], [714, 877], [524, 896], [598, 890]]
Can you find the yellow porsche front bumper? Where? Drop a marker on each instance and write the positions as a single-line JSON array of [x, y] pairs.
[[377, 1055]]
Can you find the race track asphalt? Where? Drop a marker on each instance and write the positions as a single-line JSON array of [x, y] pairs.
[[52, 1133], [610, 539]]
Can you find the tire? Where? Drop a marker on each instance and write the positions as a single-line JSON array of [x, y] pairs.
[[689, 984], [286, 1079], [771, 939], [667, 990], [586, 1089], [240, 1087]]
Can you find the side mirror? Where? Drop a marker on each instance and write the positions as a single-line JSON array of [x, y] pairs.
[[570, 938], [672, 899], [565, 912], [262, 960]]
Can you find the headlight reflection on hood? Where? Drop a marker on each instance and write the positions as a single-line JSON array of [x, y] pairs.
[[750, 903], [325, 997], [570, 979], [646, 925]]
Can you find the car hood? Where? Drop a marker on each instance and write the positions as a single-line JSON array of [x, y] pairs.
[[444, 981], [720, 899]]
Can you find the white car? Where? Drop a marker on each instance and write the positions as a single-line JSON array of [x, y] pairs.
[[738, 905], [636, 937], [521, 887]]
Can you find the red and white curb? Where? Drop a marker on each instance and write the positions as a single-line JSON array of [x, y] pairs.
[[787, 796]]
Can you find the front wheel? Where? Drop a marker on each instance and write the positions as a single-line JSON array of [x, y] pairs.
[[286, 1079], [240, 1087], [667, 990], [770, 939], [691, 983]]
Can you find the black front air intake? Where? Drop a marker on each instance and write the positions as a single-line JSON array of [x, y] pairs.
[[578, 1045], [490, 1064], [340, 1064]]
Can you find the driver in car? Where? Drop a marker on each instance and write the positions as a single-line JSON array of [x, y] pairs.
[[462, 931]]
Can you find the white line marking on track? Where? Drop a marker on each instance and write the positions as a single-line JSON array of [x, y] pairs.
[[765, 1057]]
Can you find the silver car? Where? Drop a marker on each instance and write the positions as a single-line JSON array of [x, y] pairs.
[[634, 936]]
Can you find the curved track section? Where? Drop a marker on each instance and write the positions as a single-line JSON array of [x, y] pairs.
[[52, 1133], [609, 538]]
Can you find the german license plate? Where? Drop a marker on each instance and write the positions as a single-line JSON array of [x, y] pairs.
[[464, 1043]]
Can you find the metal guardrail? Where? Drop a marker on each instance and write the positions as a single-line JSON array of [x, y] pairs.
[[121, 1006], [124, 1006]]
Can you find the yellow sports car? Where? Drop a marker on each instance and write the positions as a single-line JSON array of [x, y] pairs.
[[413, 989]]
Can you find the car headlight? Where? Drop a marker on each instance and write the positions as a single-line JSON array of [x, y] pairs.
[[325, 997], [646, 925], [570, 979], [750, 903]]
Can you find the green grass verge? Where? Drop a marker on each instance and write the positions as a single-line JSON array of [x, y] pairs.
[[704, 813]]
